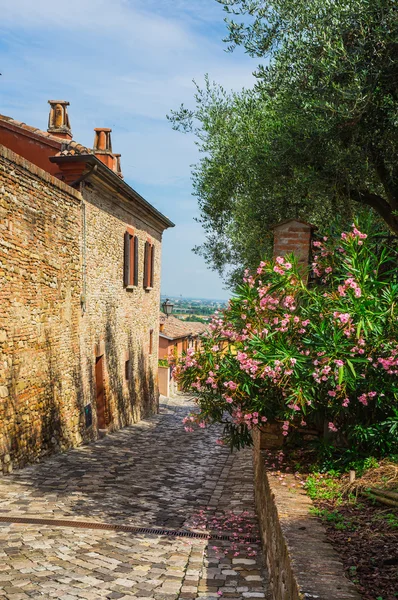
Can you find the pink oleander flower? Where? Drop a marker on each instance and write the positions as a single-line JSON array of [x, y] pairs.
[[332, 393], [345, 402], [332, 427], [231, 385], [280, 260], [278, 270], [287, 266], [339, 363], [229, 400]]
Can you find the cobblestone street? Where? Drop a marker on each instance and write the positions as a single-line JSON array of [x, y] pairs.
[[152, 475]]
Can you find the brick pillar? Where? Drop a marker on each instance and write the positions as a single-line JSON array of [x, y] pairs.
[[294, 237]]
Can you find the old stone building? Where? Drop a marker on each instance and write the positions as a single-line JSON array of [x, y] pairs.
[[80, 258]]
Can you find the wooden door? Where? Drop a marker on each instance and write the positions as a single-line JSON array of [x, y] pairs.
[[99, 384]]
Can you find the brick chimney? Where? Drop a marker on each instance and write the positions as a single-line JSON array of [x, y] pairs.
[[103, 147], [118, 168], [58, 120], [294, 237]]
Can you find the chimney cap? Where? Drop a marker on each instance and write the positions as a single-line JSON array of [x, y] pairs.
[[102, 129], [294, 220], [63, 102]]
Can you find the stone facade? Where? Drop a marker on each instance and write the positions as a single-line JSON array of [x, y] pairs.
[[78, 347], [40, 287], [119, 322]]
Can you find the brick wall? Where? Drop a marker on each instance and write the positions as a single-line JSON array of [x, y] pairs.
[[118, 318], [293, 236], [40, 286], [59, 247]]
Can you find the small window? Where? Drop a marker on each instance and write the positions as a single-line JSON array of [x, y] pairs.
[[127, 370], [149, 265], [151, 341], [130, 259]]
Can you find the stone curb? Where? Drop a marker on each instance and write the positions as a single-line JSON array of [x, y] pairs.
[[302, 564]]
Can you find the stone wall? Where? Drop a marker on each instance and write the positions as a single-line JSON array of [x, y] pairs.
[[63, 305], [40, 287], [301, 562], [117, 319]]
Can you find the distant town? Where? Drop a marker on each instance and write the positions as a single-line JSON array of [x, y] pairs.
[[194, 309]]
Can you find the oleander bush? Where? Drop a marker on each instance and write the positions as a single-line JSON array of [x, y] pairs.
[[306, 355]]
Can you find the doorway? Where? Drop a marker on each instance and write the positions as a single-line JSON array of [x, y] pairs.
[[100, 389]]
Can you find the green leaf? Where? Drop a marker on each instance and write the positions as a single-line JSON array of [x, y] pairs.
[[349, 363]]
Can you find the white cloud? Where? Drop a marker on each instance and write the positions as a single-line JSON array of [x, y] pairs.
[[117, 19]]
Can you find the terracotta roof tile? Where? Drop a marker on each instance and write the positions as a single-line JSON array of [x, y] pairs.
[[176, 328], [68, 146]]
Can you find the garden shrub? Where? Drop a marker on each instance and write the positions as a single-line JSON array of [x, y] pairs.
[[304, 354]]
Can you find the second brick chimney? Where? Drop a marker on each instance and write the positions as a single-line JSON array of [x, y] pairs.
[[118, 168], [103, 146], [58, 120]]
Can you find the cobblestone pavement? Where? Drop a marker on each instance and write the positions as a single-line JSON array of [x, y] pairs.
[[152, 474]]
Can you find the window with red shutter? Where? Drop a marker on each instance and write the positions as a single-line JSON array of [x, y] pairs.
[[149, 265], [130, 260], [151, 341], [152, 265]]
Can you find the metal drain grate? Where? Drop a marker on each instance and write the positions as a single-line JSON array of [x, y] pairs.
[[127, 528]]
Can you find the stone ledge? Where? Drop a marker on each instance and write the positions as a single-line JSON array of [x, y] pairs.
[[302, 564]]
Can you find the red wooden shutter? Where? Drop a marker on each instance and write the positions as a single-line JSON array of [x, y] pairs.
[[151, 341], [135, 240], [126, 273], [146, 264], [132, 262], [152, 264]]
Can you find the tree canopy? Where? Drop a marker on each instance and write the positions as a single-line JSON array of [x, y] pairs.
[[315, 137]]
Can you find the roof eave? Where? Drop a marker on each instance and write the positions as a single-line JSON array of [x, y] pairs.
[[177, 337], [116, 182]]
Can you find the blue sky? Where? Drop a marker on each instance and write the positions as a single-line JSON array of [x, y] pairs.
[[125, 64]]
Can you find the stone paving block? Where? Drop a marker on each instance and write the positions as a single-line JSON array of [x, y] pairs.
[[152, 474]]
